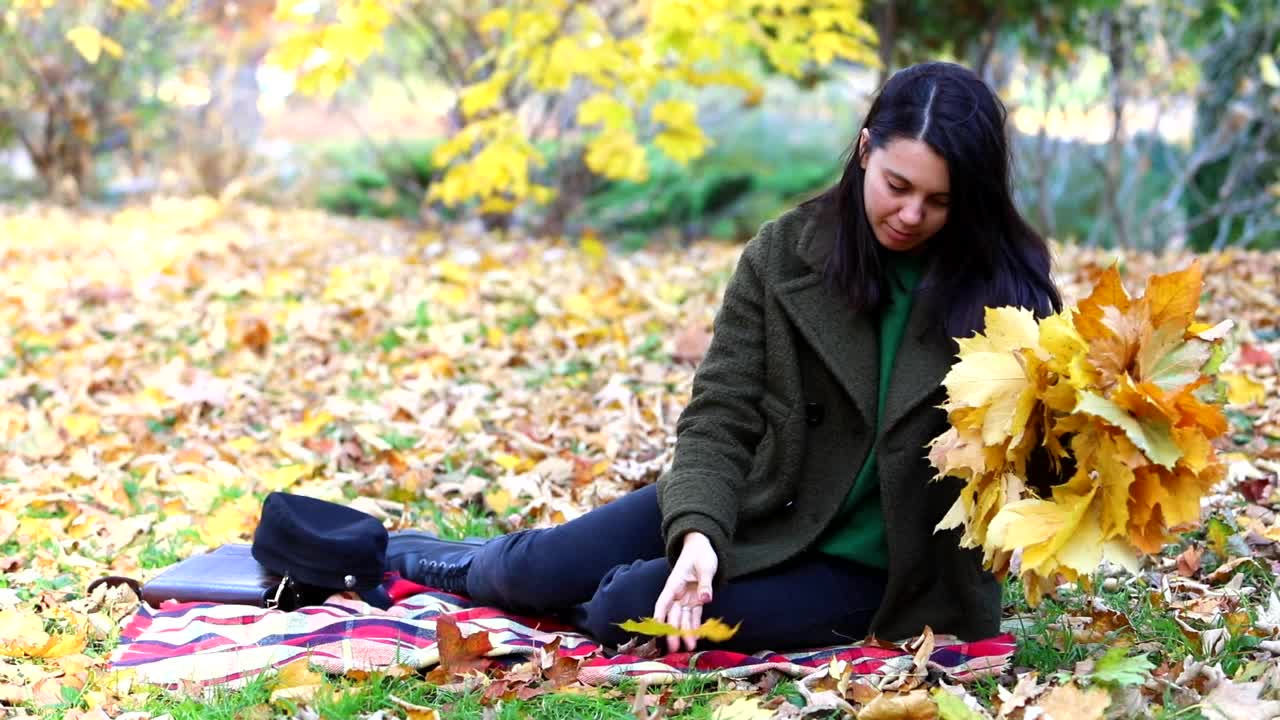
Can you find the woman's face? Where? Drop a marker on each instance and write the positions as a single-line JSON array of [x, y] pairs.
[[906, 192]]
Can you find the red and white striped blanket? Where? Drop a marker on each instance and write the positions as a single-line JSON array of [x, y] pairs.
[[207, 644]]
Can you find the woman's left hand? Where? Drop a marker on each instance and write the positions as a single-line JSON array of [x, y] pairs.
[[688, 588]]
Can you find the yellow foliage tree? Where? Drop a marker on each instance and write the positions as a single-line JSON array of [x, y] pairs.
[[626, 70]]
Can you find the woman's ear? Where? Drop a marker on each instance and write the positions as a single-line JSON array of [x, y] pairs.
[[864, 147]]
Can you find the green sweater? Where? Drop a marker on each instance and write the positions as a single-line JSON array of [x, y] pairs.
[[857, 532]]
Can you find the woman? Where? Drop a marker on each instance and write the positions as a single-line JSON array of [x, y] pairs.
[[799, 501]]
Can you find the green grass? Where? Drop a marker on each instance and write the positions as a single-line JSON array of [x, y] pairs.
[[472, 522], [1046, 644], [1040, 645], [342, 698], [222, 705]]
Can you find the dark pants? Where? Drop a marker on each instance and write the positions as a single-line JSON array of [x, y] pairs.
[[608, 566]]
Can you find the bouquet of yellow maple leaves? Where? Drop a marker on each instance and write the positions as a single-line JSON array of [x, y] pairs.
[[1122, 389]]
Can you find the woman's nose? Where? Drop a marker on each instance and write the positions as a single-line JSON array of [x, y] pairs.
[[911, 213]]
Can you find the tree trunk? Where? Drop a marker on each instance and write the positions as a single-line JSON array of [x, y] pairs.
[[574, 181], [989, 38], [1117, 52], [887, 30], [1236, 58]]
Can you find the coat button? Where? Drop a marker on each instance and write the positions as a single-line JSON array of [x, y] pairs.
[[814, 413]]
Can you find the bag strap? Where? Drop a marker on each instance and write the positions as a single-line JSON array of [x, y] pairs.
[[113, 581]]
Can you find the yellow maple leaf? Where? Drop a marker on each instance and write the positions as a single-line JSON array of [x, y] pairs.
[[284, 476], [1172, 298], [681, 139], [241, 445], [590, 245], [1154, 436], [454, 296], [1115, 459], [498, 501], [1242, 390], [232, 521], [19, 631], [581, 305], [454, 272], [79, 425], [914, 705], [714, 629], [308, 427], [1069, 701], [994, 375], [91, 43], [743, 708], [606, 110], [616, 154], [481, 96], [508, 461], [23, 634], [1066, 349]]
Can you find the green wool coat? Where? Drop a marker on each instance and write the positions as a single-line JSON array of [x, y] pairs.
[[781, 419]]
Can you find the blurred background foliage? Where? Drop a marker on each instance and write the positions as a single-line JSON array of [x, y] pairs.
[[1135, 123]]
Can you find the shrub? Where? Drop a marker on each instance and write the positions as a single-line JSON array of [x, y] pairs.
[[78, 79], [379, 181]]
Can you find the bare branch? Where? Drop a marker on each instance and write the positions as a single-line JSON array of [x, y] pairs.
[[1258, 231], [447, 62]]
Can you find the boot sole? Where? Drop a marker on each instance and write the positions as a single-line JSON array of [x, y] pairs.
[[472, 541]]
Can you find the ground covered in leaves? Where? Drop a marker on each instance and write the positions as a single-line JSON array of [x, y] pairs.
[[165, 366]]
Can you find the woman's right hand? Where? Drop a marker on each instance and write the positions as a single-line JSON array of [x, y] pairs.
[[688, 588]]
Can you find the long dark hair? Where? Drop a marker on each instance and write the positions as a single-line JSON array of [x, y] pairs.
[[985, 254]]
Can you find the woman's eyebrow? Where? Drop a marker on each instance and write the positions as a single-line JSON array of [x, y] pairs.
[[903, 179]]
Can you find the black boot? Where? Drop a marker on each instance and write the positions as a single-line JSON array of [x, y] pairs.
[[427, 560]]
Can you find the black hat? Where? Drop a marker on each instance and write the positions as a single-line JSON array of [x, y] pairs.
[[322, 544]]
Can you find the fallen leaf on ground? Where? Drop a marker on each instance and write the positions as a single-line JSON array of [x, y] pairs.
[[297, 681], [915, 705], [1069, 702], [744, 708], [461, 655], [1238, 701], [415, 712], [952, 706]]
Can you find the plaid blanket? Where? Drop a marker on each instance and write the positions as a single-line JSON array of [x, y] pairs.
[[206, 644]]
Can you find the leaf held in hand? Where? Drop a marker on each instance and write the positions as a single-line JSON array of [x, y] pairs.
[[713, 629]]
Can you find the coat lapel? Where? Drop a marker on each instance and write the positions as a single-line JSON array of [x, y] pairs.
[[923, 360], [845, 342], [848, 343]]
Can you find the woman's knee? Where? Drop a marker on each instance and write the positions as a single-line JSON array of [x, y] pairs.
[[627, 592]]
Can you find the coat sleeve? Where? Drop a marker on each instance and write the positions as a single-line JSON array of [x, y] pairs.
[[717, 434]]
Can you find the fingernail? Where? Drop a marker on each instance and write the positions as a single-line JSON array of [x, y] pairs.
[[705, 597]]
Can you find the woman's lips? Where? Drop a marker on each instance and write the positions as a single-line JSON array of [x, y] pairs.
[[897, 234]]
